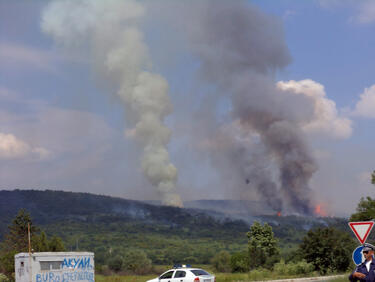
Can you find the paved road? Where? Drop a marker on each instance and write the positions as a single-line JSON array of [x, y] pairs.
[[309, 279]]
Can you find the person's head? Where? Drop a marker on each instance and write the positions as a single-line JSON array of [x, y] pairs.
[[368, 251]]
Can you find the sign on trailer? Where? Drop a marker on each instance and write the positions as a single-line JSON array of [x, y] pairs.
[[361, 229]]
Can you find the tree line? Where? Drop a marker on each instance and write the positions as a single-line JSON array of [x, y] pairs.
[[17, 241], [324, 250]]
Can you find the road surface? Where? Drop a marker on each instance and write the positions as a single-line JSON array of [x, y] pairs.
[[309, 279]]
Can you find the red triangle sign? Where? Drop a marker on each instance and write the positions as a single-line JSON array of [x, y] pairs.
[[361, 229]]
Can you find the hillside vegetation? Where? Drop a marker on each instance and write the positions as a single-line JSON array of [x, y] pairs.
[[110, 226]]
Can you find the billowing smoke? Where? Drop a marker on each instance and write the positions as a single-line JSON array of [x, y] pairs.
[[240, 49], [109, 34]]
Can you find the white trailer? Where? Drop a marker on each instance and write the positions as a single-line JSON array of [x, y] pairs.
[[55, 267]]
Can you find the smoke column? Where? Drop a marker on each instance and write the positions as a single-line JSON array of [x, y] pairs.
[[240, 49], [109, 33]]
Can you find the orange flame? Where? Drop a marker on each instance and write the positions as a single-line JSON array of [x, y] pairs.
[[279, 213], [319, 211]]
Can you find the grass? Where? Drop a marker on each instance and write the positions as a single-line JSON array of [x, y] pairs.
[[340, 279], [220, 277], [127, 278], [254, 275]]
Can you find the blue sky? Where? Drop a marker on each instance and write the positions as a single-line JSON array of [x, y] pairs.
[[62, 128]]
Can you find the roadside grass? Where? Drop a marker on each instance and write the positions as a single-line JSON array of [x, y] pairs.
[[340, 279], [123, 278], [220, 277], [254, 275]]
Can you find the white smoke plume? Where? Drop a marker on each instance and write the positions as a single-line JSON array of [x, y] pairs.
[[109, 33]]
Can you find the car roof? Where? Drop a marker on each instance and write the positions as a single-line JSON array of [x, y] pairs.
[[184, 268], [187, 268]]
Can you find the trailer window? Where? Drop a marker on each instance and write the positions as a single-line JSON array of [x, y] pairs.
[[44, 265], [50, 265], [56, 265]]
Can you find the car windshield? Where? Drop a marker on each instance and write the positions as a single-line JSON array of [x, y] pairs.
[[199, 272]]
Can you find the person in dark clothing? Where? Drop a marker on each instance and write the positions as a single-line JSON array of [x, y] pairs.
[[366, 270]]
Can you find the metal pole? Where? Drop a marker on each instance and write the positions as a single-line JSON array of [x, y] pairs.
[[29, 237], [28, 234]]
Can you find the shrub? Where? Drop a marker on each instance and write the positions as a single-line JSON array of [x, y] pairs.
[[115, 263], [328, 249], [259, 274], [137, 262], [271, 261], [280, 268], [239, 262], [221, 262], [301, 267], [3, 278]]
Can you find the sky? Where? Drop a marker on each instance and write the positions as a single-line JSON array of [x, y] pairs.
[[68, 123]]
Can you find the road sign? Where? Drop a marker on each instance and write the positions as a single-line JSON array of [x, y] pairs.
[[361, 229], [358, 256]]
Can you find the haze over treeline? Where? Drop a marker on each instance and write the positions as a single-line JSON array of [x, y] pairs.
[[168, 101]]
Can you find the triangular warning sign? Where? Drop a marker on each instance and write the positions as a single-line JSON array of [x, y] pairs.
[[361, 229]]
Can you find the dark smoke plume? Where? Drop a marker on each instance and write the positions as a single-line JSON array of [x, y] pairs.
[[240, 50]]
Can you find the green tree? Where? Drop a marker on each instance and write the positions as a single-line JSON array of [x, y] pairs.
[[328, 249], [137, 262], [17, 237], [366, 207], [56, 244], [40, 242], [239, 262], [115, 263], [262, 246], [16, 240], [101, 255], [365, 210], [221, 262]]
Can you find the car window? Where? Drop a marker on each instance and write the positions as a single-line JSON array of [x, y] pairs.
[[167, 275], [199, 272], [180, 274]]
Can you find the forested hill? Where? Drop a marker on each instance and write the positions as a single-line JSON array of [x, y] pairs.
[[105, 225], [166, 234], [49, 207]]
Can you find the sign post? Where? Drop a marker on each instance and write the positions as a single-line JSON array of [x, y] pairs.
[[361, 229]]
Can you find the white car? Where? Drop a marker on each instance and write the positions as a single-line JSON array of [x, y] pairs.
[[185, 274]]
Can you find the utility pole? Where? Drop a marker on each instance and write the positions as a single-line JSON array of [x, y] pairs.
[[29, 237]]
